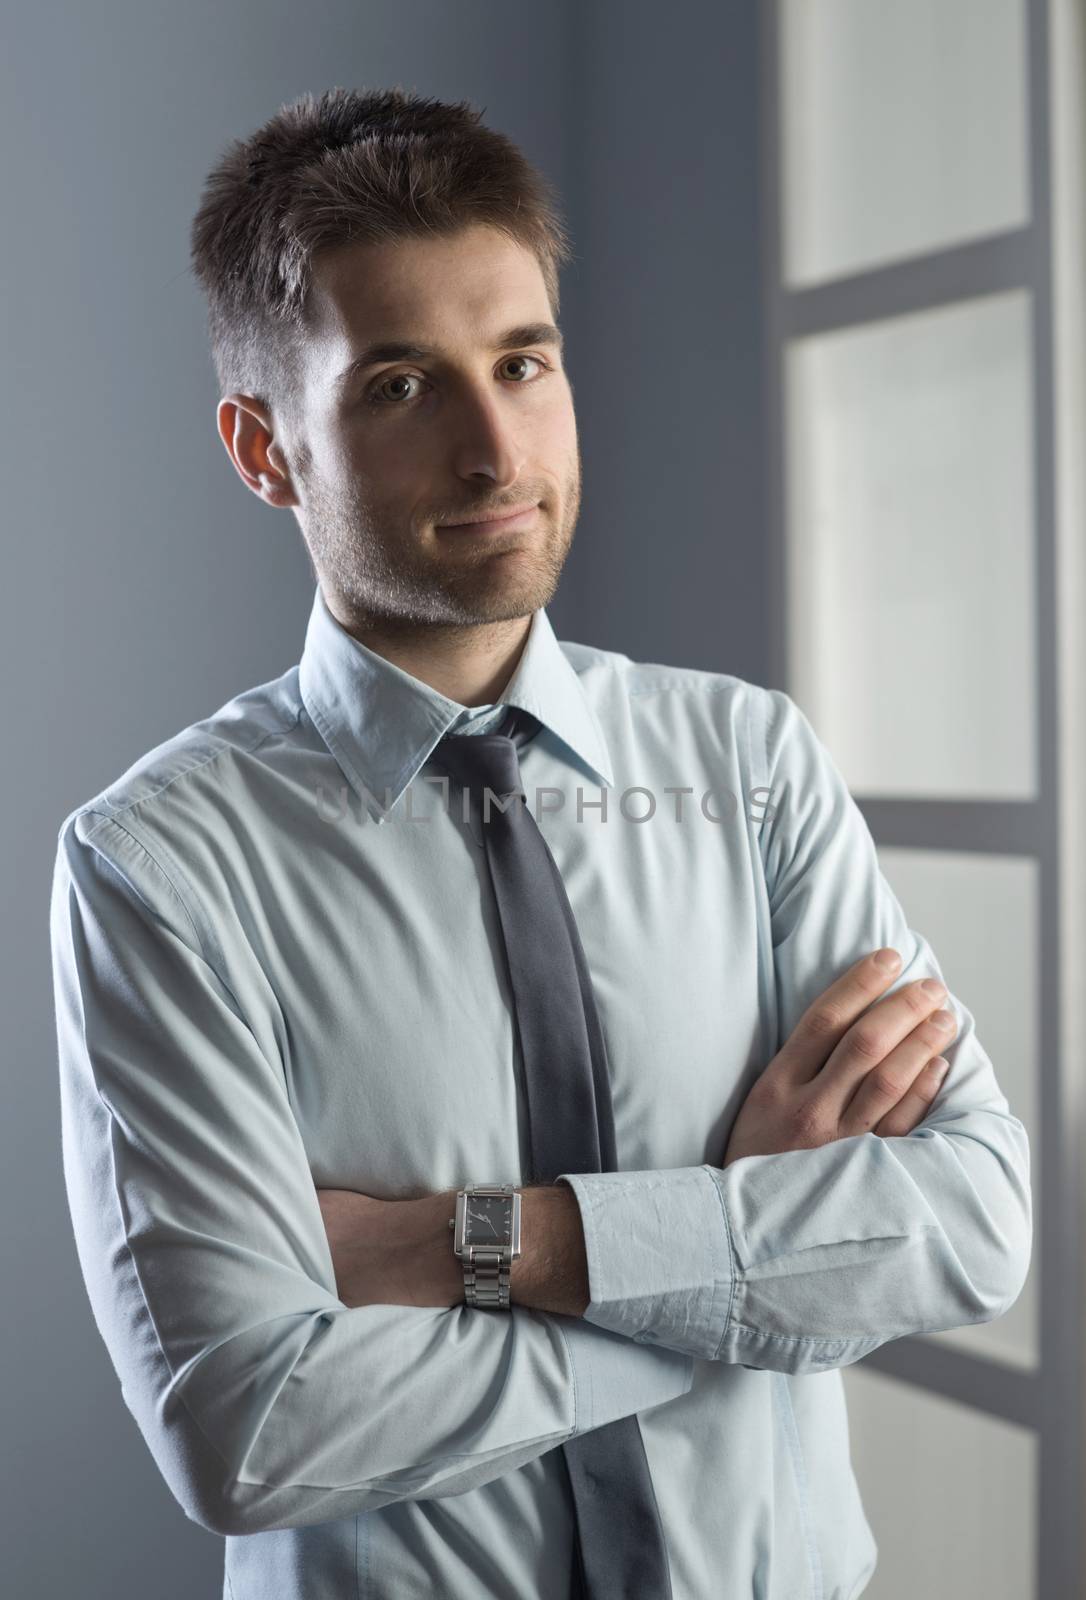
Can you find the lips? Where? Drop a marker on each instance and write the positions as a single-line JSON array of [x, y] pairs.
[[519, 516]]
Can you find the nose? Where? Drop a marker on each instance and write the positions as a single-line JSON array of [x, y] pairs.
[[487, 444]]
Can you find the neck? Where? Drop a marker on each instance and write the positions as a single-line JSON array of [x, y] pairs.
[[470, 665]]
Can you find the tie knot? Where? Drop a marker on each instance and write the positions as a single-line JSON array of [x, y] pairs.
[[481, 761]]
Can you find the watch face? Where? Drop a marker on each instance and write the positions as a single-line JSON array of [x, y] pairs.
[[489, 1219]]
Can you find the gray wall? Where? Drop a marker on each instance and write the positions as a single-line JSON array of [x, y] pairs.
[[664, 320], [144, 586]]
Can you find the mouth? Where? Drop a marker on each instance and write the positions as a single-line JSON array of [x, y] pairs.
[[521, 517]]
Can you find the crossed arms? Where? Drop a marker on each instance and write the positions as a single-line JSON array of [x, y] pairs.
[[268, 1402]]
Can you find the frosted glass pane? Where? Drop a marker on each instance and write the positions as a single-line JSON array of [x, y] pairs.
[[909, 526], [948, 1491], [903, 129], [979, 914]]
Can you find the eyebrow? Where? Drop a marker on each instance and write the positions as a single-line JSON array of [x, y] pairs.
[[403, 350]]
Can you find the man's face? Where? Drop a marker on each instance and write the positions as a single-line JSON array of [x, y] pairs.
[[396, 449]]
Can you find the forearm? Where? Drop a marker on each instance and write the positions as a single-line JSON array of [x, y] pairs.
[[812, 1258], [400, 1252], [796, 1261]]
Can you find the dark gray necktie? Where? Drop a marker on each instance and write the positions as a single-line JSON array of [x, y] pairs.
[[623, 1554]]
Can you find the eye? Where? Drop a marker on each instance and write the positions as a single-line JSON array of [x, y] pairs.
[[377, 398], [536, 359]]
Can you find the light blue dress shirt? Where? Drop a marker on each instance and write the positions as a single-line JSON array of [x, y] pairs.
[[278, 966]]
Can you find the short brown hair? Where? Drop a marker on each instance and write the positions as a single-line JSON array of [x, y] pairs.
[[342, 167]]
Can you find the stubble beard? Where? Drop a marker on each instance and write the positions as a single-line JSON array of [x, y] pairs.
[[401, 585]]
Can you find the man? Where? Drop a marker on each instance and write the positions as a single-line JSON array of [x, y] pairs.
[[289, 1033]]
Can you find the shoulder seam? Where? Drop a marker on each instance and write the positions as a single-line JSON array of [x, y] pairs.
[[249, 749], [202, 929], [104, 820]]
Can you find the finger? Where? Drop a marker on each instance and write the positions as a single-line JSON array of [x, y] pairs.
[[916, 1102], [882, 1086], [879, 1032], [829, 1017]]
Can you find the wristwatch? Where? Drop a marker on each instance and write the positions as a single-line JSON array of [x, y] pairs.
[[486, 1238]]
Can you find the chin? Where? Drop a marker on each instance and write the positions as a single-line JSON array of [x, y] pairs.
[[503, 602]]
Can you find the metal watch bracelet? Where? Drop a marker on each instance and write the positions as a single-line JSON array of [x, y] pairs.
[[486, 1278]]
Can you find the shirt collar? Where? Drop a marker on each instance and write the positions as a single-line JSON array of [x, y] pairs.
[[382, 723]]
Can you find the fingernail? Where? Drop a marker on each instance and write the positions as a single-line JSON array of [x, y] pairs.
[[887, 960], [940, 1068]]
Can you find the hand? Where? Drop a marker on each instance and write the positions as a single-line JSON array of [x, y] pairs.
[[837, 1076], [392, 1252]]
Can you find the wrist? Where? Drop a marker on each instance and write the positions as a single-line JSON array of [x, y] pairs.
[[551, 1273], [430, 1244]]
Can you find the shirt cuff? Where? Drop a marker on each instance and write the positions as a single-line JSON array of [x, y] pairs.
[[661, 1268]]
